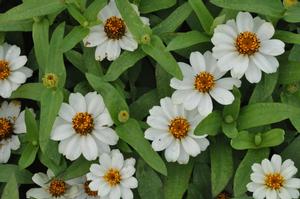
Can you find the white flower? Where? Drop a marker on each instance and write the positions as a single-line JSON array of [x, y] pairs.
[[172, 129], [82, 127], [51, 187], [12, 123], [84, 190], [201, 82], [113, 35], [245, 47], [113, 178], [13, 73], [274, 179]]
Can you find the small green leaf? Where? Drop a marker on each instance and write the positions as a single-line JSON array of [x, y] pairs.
[[90, 63], [28, 155], [32, 131], [93, 9], [11, 189], [162, 82], [29, 91], [78, 168], [131, 133], [23, 176], [187, 39], [221, 164], [77, 60], [292, 14], [74, 37], [155, 5], [287, 37], [234, 108], [242, 175], [289, 72], [20, 25], [210, 125], [76, 14], [157, 51], [290, 152], [56, 168], [229, 129]]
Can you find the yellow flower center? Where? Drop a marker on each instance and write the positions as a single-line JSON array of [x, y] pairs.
[[112, 177], [88, 191], [247, 43], [4, 70], [223, 195], [179, 127], [204, 82], [274, 181], [83, 123], [57, 188], [114, 28], [6, 129]]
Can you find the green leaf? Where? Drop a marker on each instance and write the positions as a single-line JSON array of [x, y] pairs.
[[32, 131], [78, 168], [177, 182], [229, 129], [242, 175], [126, 60], [246, 140], [271, 8], [157, 51], [90, 63], [162, 82], [292, 14], [30, 9], [23, 176], [28, 155], [131, 133], [293, 100], [260, 114], [50, 105], [146, 6], [11, 189], [290, 152], [221, 164], [174, 20], [187, 39], [56, 168], [22, 25], [29, 91], [74, 37], [295, 53], [210, 125], [77, 60], [76, 14], [203, 14], [202, 178], [93, 9], [287, 37], [133, 21], [233, 109], [110, 95], [289, 72], [150, 185]]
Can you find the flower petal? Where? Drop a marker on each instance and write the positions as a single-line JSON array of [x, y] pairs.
[[273, 47], [197, 61], [222, 95]]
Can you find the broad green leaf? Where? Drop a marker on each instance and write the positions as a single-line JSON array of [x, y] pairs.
[[78, 168], [203, 14], [242, 174], [74, 37], [131, 133], [77, 60], [174, 20], [295, 53], [23, 176], [140, 108], [150, 185], [32, 131], [11, 189], [229, 129], [221, 164], [202, 178], [50, 105], [271, 8], [287, 37], [93, 9], [20, 25], [291, 152], [162, 82], [30, 9], [246, 140], [293, 100], [210, 125], [76, 14], [187, 39], [260, 114], [126, 60], [289, 72], [231, 111], [52, 152], [157, 51], [146, 6], [194, 192], [92, 66], [292, 14], [28, 155], [133, 21], [112, 98], [177, 182], [56, 168], [29, 91]]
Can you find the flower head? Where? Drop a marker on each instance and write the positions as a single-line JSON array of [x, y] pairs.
[[113, 35], [12, 123], [84, 190], [274, 179], [172, 129], [201, 81], [82, 127], [113, 178], [13, 73], [245, 47]]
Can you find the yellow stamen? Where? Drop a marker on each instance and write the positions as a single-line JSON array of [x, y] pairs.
[[114, 28], [179, 127], [247, 43], [83, 123], [204, 82]]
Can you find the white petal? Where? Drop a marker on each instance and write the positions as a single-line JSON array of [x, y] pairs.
[[97, 170], [253, 74], [115, 193], [192, 100], [89, 147], [260, 193], [5, 89], [126, 193], [263, 63], [100, 52], [127, 172], [229, 61], [276, 162], [293, 192], [293, 183], [152, 133], [39, 193], [257, 178], [265, 31], [271, 194], [186, 70], [106, 135], [190, 146], [117, 159], [183, 156], [168, 107], [244, 22], [267, 166], [197, 61], [14, 108], [222, 38], [222, 95], [179, 95], [14, 143], [130, 182], [95, 104], [105, 161], [185, 84], [158, 123], [128, 43], [222, 50], [104, 119], [77, 101], [113, 50], [12, 53], [27, 71], [272, 47], [105, 13], [62, 132], [239, 70], [66, 112], [224, 28], [95, 38], [4, 153], [284, 194], [228, 83], [172, 151], [289, 172], [203, 143], [17, 63], [40, 179], [205, 106], [72, 149], [252, 186], [162, 142]]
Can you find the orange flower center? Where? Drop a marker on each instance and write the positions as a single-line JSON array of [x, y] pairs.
[[112, 177], [247, 43], [274, 181], [4, 70], [6, 129], [88, 191], [57, 188], [114, 28], [179, 127], [204, 82], [83, 123]]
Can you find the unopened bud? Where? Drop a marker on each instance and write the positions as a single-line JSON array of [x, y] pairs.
[[50, 80], [123, 116]]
